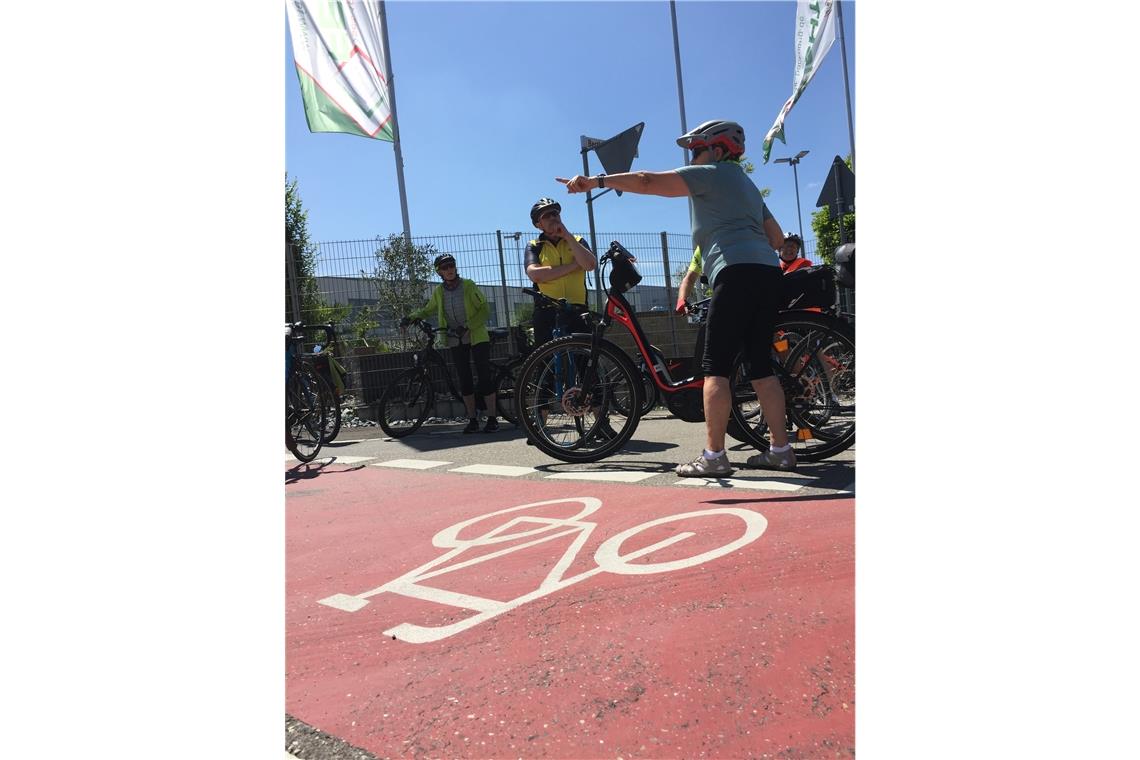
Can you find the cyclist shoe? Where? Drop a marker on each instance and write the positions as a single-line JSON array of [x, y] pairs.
[[603, 432], [705, 468], [766, 460], [492, 425], [472, 426]]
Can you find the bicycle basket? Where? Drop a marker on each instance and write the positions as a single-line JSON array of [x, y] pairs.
[[845, 265], [809, 288], [624, 274]]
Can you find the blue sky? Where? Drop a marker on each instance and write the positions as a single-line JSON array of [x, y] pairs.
[[492, 99]]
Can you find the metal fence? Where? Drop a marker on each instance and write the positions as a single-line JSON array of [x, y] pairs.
[[495, 262]]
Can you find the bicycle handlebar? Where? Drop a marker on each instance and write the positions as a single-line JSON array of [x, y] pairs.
[[296, 330], [558, 303]]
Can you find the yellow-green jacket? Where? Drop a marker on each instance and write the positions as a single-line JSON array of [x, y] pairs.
[[476, 306]]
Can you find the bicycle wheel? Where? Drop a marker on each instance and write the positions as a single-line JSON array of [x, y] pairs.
[[331, 405], [405, 403], [568, 409], [505, 390], [304, 413], [818, 378]]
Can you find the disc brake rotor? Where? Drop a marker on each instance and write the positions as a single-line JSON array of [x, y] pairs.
[[574, 402]]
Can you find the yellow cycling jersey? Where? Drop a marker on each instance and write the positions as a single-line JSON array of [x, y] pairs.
[[543, 252]]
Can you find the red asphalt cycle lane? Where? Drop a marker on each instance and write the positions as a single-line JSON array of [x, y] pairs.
[[598, 621]]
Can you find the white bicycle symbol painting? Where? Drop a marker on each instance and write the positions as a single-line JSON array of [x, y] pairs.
[[608, 557]]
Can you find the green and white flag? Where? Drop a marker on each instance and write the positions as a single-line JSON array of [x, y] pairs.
[[815, 31], [339, 54]]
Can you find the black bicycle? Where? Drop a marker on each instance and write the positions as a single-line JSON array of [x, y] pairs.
[[309, 400], [579, 397], [408, 400]]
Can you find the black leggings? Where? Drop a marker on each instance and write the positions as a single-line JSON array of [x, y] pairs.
[[461, 355], [742, 317]]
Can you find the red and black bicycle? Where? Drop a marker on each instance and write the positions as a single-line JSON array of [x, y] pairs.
[[580, 397]]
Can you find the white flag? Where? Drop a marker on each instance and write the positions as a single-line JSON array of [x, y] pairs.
[[339, 53], [815, 31]]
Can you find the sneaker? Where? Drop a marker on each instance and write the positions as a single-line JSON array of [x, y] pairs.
[[492, 425], [603, 432], [472, 426], [766, 460], [706, 468]]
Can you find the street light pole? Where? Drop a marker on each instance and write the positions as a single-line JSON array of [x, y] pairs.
[[794, 160]]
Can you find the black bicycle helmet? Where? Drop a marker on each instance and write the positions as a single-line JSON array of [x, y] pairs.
[[794, 238], [542, 205], [443, 258], [727, 134]]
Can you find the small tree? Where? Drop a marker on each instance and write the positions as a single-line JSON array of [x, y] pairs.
[[401, 276], [303, 251]]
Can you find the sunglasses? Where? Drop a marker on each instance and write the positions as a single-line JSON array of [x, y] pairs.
[[445, 267], [549, 215], [700, 150]]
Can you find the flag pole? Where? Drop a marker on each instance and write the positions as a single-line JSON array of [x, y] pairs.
[[846, 85], [395, 124], [680, 87]]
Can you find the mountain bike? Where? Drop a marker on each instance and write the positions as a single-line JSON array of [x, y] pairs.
[[333, 373], [309, 401], [601, 389], [409, 399]]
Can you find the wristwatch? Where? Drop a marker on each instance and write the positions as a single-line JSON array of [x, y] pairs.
[[601, 181]]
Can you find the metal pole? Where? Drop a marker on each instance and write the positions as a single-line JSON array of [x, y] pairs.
[[680, 90], [395, 125], [839, 202], [796, 175], [505, 311], [680, 87], [846, 85], [590, 214], [668, 289]]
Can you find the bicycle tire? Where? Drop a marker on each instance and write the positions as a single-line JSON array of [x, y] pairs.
[[649, 398], [551, 425], [819, 404], [507, 378], [304, 413], [331, 405], [405, 403]]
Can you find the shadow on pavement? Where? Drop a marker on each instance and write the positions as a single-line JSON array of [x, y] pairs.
[[304, 471]]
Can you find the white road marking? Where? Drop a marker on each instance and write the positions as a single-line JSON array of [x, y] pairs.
[[410, 464], [495, 469], [609, 476]]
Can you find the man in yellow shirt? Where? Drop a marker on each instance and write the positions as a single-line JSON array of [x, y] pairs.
[[557, 262]]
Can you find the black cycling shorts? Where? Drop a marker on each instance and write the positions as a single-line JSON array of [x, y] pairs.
[[742, 317]]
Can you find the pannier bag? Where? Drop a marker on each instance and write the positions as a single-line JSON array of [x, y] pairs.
[[845, 265], [809, 288]]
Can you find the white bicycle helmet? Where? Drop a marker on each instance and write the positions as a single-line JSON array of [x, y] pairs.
[[727, 134]]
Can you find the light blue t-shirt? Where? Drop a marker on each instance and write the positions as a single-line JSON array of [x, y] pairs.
[[728, 217]]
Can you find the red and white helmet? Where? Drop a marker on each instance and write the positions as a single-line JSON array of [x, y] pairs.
[[727, 134]]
